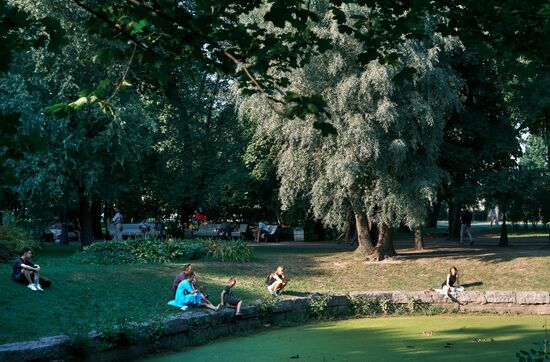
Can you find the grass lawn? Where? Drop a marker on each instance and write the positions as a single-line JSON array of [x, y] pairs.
[[84, 297], [419, 338]]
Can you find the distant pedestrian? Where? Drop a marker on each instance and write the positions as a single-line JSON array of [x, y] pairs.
[[117, 222], [465, 225]]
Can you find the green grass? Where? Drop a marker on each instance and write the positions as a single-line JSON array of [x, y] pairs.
[[85, 297], [436, 338]]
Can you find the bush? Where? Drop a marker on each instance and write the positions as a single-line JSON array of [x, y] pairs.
[[12, 240], [361, 306], [236, 251], [157, 251]]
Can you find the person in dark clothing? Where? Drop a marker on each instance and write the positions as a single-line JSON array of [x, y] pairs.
[[451, 284], [229, 298], [465, 225], [25, 271], [277, 281]]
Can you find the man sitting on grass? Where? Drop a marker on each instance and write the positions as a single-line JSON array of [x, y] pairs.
[[24, 271]]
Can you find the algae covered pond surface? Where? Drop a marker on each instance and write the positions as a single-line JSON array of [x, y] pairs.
[[418, 338]]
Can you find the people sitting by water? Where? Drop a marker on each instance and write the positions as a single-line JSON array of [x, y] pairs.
[[25, 271], [181, 277], [187, 296], [451, 284], [277, 281], [228, 298]]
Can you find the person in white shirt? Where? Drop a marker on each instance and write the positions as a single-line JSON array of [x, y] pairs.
[[117, 222]]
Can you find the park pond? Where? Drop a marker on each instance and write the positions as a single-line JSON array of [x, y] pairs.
[[417, 338]]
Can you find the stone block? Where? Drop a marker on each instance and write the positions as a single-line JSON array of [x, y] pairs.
[[471, 297], [400, 297], [46, 348], [500, 297], [532, 297], [337, 300], [425, 297]]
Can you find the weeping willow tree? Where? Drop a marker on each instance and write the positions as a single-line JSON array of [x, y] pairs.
[[380, 166]]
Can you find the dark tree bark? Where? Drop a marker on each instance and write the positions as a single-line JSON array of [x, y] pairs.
[[433, 213], [86, 234], [503, 230], [454, 222], [418, 238], [363, 233], [97, 232], [384, 247]]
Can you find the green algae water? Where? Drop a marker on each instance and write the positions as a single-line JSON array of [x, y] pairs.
[[419, 338]]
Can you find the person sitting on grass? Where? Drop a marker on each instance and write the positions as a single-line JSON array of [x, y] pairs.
[[276, 281], [180, 278], [187, 296], [228, 298], [452, 285], [25, 271]]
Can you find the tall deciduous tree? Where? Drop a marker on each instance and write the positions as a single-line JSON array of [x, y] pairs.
[[381, 165]]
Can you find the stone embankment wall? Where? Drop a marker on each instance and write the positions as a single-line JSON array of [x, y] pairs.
[[199, 326]]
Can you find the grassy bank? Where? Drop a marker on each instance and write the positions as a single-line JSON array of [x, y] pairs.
[[84, 297]]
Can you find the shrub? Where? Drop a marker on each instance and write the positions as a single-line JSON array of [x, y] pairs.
[[237, 251], [364, 306], [149, 250], [12, 240], [317, 306]]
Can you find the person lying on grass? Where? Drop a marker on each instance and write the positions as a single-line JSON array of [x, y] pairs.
[[451, 284], [25, 271], [187, 296], [228, 298], [277, 281]]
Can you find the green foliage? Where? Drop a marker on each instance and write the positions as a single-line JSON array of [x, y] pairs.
[[235, 251], [12, 239], [361, 306], [317, 305], [268, 305], [152, 250], [540, 354], [139, 251]]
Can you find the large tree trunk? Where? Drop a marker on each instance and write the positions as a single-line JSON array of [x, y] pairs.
[[384, 247], [418, 239], [503, 230], [86, 235], [363, 233], [454, 222], [96, 220], [433, 213]]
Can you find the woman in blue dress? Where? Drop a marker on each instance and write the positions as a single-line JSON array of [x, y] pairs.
[[187, 296]]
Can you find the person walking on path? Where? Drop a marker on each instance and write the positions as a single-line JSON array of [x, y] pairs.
[[117, 222], [465, 225]]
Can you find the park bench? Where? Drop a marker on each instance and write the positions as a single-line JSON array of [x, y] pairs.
[[56, 232], [213, 231], [133, 231]]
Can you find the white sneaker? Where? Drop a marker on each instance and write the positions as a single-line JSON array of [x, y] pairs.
[[32, 287], [184, 307], [39, 288]]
